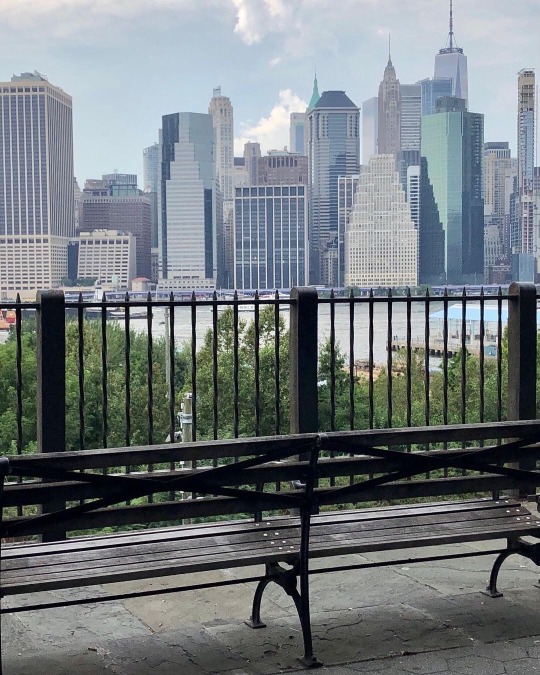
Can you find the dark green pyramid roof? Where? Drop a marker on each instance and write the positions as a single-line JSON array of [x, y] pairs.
[[315, 96]]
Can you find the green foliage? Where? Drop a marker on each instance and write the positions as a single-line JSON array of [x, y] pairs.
[[245, 367], [408, 394]]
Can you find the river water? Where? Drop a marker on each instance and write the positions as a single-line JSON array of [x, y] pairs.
[[182, 325]]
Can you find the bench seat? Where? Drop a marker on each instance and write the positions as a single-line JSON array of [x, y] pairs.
[[86, 561]]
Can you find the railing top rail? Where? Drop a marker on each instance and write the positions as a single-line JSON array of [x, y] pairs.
[[414, 298]]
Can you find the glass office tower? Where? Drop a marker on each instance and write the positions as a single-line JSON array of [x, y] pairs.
[[452, 145]]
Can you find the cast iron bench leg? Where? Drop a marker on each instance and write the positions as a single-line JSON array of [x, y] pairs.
[[515, 546], [288, 580]]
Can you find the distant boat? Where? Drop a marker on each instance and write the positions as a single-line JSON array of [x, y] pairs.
[[119, 313]]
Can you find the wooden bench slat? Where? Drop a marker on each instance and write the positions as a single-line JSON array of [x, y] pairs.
[[254, 535], [230, 527], [235, 558], [215, 546]]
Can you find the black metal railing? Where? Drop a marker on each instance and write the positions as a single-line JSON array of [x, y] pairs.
[[115, 371]]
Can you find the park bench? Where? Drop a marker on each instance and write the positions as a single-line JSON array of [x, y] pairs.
[[296, 499]]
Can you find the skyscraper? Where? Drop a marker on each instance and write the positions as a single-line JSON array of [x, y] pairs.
[[123, 207], [333, 151], [189, 204], [370, 124], [411, 115], [431, 237], [451, 62], [270, 226], [151, 186], [452, 145], [222, 117], [151, 168], [523, 240], [36, 184], [389, 122], [347, 186], [500, 170], [432, 91], [280, 167], [297, 132], [381, 241]]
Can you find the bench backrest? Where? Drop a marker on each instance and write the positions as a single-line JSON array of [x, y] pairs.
[[172, 483]]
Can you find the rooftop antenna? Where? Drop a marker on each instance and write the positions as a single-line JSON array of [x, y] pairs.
[[451, 32]]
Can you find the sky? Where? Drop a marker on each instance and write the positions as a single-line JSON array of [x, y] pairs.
[[128, 62]]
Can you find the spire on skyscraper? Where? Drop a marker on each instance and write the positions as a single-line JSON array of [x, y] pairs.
[[451, 41], [315, 96], [389, 65]]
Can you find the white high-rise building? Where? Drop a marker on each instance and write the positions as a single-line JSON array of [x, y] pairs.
[[108, 256], [381, 241], [37, 215], [389, 124], [222, 118], [189, 204]]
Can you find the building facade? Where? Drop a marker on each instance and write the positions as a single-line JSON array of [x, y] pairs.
[[370, 124], [500, 171], [297, 132], [333, 151], [37, 215], [223, 120], [451, 63], [271, 244], [189, 205], [523, 235], [107, 256], [347, 186], [389, 107], [411, 116], [280, 167], [432, 91], [381, 241], [123, 208], [452, 145]]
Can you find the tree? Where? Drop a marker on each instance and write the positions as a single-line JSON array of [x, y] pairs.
[[243, 371]]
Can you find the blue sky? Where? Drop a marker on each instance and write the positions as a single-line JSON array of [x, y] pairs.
[[128, 62]]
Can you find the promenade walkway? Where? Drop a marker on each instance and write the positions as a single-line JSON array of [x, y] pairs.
[[409, 619]]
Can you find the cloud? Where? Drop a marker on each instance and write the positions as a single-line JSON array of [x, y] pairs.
[[70, 18], [272, 132], [256, 18]]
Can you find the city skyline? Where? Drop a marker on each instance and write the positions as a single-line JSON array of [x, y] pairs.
[[272, 48]]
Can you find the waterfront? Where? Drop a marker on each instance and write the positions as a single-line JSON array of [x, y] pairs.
[[182, 325]]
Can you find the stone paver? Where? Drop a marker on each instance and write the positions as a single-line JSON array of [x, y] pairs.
[[408, 619]]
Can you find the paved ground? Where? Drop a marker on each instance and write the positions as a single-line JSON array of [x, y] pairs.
[[423, 618]]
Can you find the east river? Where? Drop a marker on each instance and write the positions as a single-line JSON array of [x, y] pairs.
[[182, 325]]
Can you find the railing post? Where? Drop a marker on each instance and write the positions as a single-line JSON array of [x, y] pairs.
[[522, 331], [303, 355], [51, 384], [51, 371]]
